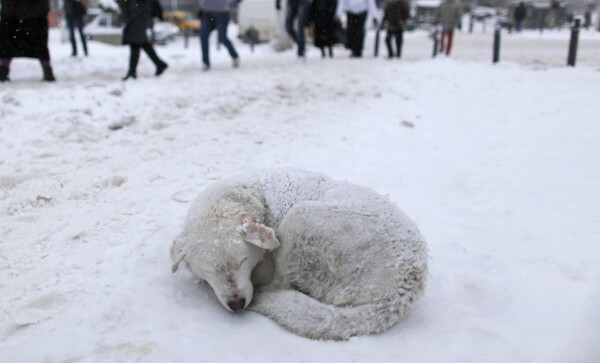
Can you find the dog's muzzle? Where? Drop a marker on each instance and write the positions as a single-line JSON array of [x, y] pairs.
[[237, 304]]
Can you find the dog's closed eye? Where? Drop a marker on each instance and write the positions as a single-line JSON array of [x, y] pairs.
[[242, 262]]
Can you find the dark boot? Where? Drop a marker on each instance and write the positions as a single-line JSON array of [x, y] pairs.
[[130, 75], [4, 73], [48, 75], [160, 65], [160, 68]]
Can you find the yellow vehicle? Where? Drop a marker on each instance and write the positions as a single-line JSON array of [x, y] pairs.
[[184, 20]]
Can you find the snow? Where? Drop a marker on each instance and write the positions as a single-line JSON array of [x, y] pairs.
[[499, 171]]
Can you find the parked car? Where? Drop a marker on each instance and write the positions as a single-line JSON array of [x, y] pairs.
[[108, 28], [504, 20], [481, 13], [184, 20]]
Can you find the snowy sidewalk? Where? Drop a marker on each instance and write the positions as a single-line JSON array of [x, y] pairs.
[[499, 172]]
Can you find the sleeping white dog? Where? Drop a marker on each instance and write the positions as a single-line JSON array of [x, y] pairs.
[[325, 259]]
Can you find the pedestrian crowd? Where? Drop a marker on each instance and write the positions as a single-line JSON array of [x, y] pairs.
[[24, 28]]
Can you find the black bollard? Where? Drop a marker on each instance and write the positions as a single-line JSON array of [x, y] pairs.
[[377, 36], [496, 55], [435, 36], [573, 43]]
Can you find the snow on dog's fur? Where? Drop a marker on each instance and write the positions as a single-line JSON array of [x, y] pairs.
[[325, 259]]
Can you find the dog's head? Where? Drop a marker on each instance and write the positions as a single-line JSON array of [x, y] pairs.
[[225, 257]]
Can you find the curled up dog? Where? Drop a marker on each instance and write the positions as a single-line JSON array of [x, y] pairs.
[[325, 259]]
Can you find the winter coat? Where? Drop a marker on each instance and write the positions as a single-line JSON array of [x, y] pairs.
[[396, 14], [25, 9], [322, 14], [137, 15], [157, 10], [449, 14], [520, 12], [75, 8], [24, 29]]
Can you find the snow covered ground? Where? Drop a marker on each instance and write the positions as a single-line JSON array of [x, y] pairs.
[[498, 165]]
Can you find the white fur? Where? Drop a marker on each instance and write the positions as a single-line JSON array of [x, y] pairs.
[[325, 259]]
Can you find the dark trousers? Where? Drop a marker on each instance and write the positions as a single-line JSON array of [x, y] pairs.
[[72, 23], [212, 20], [134, 56], [330, 48], [399, 36], [518, 25], [356, 33], [297, 10]]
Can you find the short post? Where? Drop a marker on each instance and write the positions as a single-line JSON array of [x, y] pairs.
[[435, 41], [496, 55], [471, 24], [573, 43], [186, 37]]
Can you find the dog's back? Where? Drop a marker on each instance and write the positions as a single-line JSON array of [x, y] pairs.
[[357, 260]]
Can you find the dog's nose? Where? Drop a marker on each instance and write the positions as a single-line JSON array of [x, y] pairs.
[[237, 304]]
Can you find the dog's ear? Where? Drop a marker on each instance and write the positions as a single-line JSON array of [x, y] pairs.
[[177, 253], [258, 235]]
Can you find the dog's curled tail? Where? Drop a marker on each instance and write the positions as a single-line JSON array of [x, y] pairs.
[[310, 318]]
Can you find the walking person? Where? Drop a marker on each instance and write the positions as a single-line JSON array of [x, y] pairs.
[[395, 16], [75, 11], [519, 15], [587, 17], [448, 15], [296, 13], [356, 16], [214, 14], [322, 16], [137, 15], [554, 14], [24, 33]]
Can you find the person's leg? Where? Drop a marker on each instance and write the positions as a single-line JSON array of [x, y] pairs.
[[291, 11], [351, 32], [134, 57], [71, 28], [399, 43], [442, 41], [222, 23], [43, 51], [47, 70], [159, 63], [303, 10], [450, 36], [4, 69], [206, 26], [331, 51], [388, 44], [361, 33], [79, 24]]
